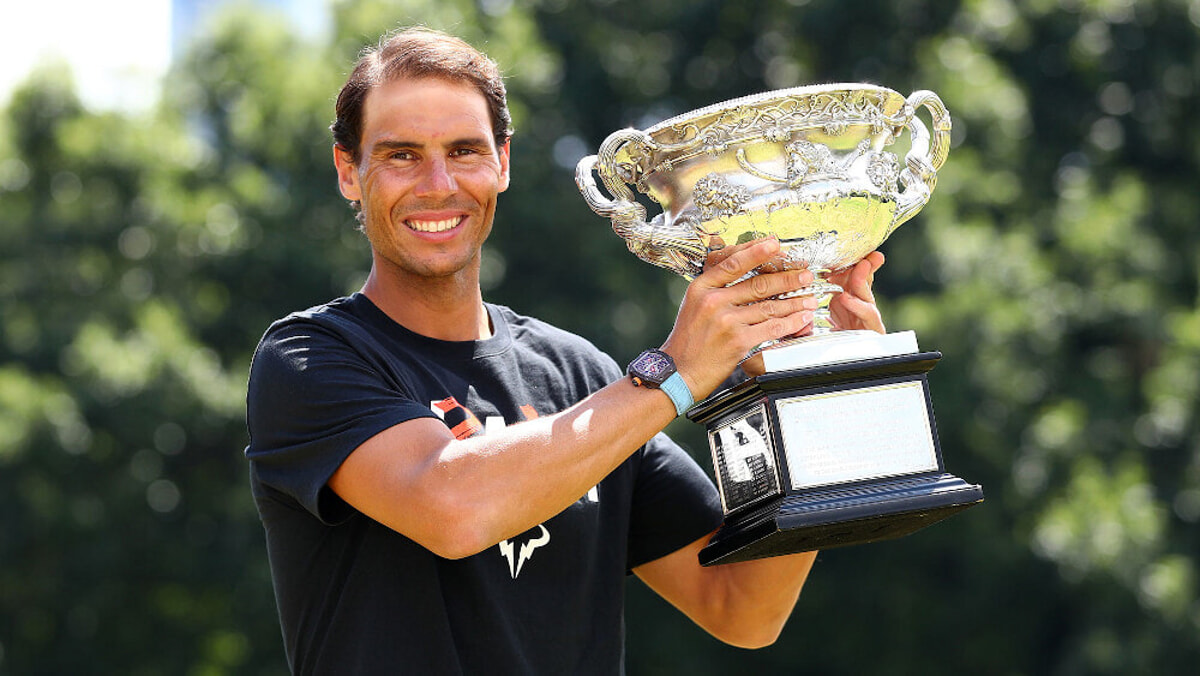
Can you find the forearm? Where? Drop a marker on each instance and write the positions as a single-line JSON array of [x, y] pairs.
[[458, 497], [758, 597], [745, 604], [536, 469]]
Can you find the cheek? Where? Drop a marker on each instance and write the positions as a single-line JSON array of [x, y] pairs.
[[378, 181], [488, 183], [370, 186], [384, 197]]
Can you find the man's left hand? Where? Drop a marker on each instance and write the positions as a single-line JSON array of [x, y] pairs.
[[855, 307]]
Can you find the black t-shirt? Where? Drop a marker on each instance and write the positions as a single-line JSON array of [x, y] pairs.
[[355, 597]]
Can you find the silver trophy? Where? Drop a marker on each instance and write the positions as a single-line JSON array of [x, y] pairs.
[[807, 165], [811, 167]]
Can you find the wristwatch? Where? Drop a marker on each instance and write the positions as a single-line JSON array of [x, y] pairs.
[[656, 369]]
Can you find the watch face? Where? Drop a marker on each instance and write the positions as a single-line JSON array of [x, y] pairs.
[[654, 366]]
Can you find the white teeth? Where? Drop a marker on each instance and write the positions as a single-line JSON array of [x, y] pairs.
[[434, 226]]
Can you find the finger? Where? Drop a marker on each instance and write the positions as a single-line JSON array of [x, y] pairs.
[[715, 256], [745, 326], [868, 265], [766, 310], [768, 285], [719, 252], [876, 259], [852, 312], [734, 265], [808, 316], [806, 330], [861, 278], [752, 332], [873, 261], [777, 328]]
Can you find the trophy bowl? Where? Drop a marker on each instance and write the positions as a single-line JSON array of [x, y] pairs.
[[808, 165]]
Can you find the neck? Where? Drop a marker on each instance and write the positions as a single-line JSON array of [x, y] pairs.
[[446, 308]]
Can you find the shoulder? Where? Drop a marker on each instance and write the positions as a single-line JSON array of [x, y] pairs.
[[552, 341], [338, 320], [340, 312], [304, 344]]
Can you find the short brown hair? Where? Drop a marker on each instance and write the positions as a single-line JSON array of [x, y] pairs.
[[418, 52]]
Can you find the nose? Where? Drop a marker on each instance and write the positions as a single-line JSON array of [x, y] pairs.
[[436, 179]]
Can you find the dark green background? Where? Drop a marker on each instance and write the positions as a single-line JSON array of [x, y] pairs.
[[141, 257]]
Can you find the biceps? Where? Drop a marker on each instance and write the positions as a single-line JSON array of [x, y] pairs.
[[386, 477]]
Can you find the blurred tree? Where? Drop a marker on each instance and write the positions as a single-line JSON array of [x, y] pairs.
[[1056, 268]]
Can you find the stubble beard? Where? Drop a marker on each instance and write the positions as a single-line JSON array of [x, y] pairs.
[[384, 237]]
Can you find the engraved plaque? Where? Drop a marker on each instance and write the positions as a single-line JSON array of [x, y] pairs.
[[892, 436], [744, 459]]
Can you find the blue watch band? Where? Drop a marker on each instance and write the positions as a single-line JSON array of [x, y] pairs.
[[679, 392]]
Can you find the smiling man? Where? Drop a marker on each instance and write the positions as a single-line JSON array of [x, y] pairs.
[[448, 486]]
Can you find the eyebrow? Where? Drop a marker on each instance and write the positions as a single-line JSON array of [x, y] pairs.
[[390, 145]]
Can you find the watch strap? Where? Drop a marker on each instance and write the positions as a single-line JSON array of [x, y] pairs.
[[679, 392]]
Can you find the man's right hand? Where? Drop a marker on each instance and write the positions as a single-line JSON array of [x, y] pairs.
[[719, 322]]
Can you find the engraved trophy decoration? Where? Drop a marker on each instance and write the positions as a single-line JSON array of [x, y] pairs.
[[832, 442]]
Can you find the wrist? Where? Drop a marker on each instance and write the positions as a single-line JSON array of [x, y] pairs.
[[677, 389], [655, 369]]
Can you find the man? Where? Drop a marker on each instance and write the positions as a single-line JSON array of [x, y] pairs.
[[449, 487]]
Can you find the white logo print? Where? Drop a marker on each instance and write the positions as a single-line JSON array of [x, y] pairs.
[[526, 549], [463, 424]]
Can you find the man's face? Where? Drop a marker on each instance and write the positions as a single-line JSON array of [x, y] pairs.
[[428, 177]]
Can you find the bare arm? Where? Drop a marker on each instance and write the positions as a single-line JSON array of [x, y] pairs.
[[458, 497], [745, 604]]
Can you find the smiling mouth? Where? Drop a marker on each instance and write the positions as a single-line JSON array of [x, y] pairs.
[[435, 226]]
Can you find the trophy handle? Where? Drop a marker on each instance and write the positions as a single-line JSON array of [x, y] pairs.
[[925, 157], [675, 247]]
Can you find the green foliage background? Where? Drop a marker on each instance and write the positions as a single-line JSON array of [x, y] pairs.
[[141, 257]]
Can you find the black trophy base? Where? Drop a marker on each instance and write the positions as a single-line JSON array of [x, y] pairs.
[[828, 456], [841, 516]]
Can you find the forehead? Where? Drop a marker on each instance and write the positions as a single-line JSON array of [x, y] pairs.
[[428, 109]]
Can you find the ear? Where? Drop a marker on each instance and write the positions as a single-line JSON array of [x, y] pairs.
[[503, 153], [347, 174]]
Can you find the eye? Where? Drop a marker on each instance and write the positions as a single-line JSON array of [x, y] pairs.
[[463, 152], [402, 155]]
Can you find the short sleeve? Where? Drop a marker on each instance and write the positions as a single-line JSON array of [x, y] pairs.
[[674, 503], [312, 399]]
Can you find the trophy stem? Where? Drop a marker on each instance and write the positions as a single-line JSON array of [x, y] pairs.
[[823, 289]]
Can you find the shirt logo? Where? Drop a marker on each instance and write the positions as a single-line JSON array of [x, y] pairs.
[[530, 540], [463, 424]]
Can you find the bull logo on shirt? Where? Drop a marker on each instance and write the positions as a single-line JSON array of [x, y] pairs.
[[530, 540]]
